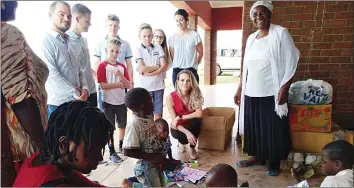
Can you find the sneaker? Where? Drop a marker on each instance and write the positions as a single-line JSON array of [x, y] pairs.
[[115, 158], [181, 148], [193, 154], [102, 162]]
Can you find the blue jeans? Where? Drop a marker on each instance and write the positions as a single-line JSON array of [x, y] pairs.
[[157, 99], [147, 174], [51, 109]]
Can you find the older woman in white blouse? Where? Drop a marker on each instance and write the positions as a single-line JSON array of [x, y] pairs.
[[270, 62]]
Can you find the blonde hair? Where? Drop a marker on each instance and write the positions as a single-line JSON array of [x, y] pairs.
[[114, 41], [113, 17], [144, 26], [195, 97], [164, 44]]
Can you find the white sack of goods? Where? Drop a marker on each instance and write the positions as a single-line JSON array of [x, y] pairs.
[[310, 92]]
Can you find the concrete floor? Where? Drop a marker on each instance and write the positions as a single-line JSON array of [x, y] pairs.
[[111, 174]]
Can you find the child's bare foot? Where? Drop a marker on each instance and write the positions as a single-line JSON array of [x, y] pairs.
[[126, 183]]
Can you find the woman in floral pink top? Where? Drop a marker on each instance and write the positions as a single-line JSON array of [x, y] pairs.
[[23, 97]]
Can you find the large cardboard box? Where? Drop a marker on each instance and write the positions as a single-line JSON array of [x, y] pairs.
[[312, 142], [216, 127], [310, 118]]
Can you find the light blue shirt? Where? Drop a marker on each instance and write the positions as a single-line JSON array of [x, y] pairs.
[[65, 74], [81, 52], [125, 51]]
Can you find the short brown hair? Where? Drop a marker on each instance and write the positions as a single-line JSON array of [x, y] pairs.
[[113, 17], [80, 9]]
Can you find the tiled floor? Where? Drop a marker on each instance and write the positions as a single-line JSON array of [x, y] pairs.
[[111, 174]]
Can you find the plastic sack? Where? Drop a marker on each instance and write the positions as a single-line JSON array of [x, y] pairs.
[[301, 184], [310, 92], [299, 157]]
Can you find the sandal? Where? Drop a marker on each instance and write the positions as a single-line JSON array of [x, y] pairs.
[[246, 163], [273, 172]]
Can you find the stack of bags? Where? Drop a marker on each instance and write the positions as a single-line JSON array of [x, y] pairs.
[[310, 121], [310, 115]]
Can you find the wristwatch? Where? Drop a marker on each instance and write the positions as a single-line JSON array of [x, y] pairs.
[[180, 116]]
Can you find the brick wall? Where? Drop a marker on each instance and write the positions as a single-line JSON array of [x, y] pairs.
[[323, 32]]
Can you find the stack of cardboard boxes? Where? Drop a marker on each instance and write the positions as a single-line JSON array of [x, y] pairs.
[[312, 128]]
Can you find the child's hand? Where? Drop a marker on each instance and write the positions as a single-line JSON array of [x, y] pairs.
[[295, 175], [117, 72]]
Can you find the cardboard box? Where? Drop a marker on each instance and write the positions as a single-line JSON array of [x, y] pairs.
[[216, 127], [310, 118], [310, 142]]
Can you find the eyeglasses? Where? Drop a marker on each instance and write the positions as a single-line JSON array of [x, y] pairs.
[[159, 37]]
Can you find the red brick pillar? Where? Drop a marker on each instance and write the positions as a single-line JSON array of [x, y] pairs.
[[210, 57], [193, 22]]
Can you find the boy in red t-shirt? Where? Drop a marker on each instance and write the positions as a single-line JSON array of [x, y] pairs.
[[113, 78], [76, 134]]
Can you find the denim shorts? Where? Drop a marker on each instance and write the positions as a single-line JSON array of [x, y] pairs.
[[147, 174], [157, 98]]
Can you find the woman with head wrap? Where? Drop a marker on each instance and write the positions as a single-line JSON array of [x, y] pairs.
[[270, 63], [23, 97]]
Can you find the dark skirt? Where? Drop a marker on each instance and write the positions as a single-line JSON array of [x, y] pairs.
[[266, 135]]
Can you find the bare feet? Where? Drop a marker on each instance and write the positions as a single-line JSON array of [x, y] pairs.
[[194, 154], [126, 183]]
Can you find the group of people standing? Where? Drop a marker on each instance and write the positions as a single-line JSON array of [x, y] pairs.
[[52, 130], [41, 94]]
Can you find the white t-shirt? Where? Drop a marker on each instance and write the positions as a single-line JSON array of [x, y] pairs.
[[150, 56], [185, 51], [344, 178], [259, 77], [143, 135]]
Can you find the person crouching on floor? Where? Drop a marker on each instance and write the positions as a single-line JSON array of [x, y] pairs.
[[222, 175], [338, 163], [76, 134]]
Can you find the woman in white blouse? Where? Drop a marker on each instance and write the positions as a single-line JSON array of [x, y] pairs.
[[186, 48], [270, 63]]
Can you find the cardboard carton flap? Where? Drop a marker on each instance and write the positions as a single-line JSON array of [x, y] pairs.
[[218, 111]]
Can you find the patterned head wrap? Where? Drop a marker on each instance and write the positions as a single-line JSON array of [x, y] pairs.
[[267, 4]]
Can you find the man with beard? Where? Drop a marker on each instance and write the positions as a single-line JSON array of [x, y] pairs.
[[66, 81]]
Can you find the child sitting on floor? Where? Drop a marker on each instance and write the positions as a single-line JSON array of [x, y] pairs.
[[142, 139], [338, 163], [222, 175], [76, 134], [163, 131]]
